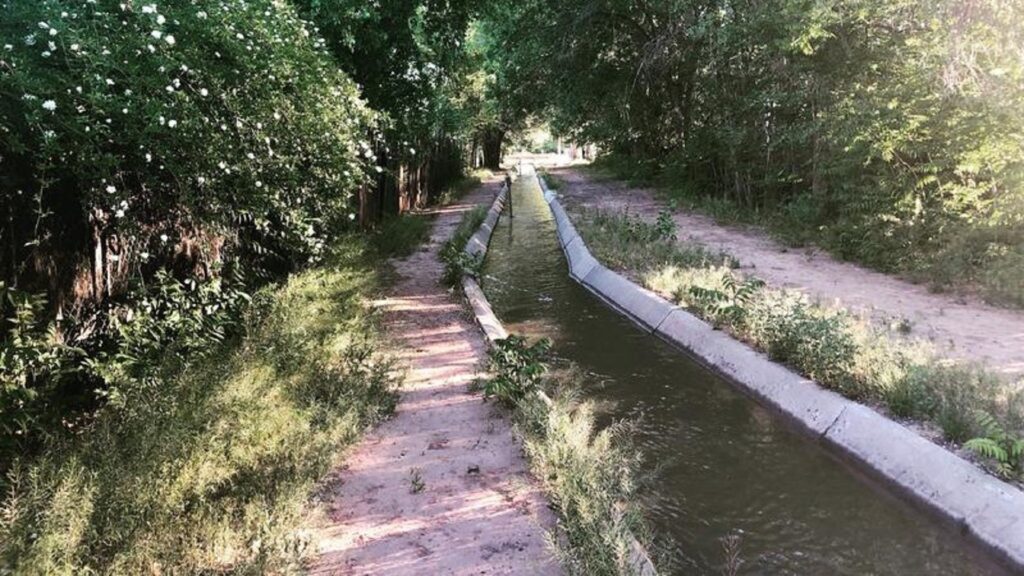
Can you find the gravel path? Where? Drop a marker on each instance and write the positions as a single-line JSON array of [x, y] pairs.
[[441, 488], [961, 327]]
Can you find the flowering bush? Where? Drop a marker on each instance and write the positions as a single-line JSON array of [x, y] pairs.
[[149, 145]]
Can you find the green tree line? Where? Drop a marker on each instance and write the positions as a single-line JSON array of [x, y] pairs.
[[889, 132]]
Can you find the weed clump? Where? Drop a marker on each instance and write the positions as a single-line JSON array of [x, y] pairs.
[[591, 476], [457, 262]]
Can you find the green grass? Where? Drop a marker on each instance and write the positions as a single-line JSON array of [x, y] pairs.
[[553, 181], [208, 466], [401, 235], [832, 346], [591, 477]]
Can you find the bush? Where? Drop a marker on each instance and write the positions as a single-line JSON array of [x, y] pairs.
[[157, 164], [517, 368], [458, 263]]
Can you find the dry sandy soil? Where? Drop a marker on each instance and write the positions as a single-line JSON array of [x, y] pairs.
[[442, 488], [961, 327]]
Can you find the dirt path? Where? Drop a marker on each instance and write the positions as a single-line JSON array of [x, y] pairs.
[[474, 509], [963, 328]]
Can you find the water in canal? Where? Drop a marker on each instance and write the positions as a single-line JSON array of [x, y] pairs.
[[727, 466]]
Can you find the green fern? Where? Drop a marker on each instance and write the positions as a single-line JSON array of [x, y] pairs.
[[1004, 448]]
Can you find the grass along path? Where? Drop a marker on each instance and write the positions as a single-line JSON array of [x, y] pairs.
[[442, 488], [961, 327]]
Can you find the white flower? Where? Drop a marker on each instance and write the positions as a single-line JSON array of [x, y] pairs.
[[170, 40], [75, 47], [259, 184], [160, 19], [172, 123], [119, 213], [111, 189], [149, 9], [149, 157], [50, 105], [163, 237], [201, 180], [201, 15], [204, 92], [53, 31], [156, 34], [110, 82], [46, 54], [144, 255], [8, 47], [44, 25], [30, 40]]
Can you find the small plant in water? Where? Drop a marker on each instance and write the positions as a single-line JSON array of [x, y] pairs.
[[1004, 448], [518, 368], [731, 549]]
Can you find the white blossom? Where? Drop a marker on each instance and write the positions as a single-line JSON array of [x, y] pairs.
[[50, 105]]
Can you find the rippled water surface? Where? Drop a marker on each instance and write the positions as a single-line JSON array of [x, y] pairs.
[[727, 466]]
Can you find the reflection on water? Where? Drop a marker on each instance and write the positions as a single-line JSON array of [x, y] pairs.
[[726, 466]]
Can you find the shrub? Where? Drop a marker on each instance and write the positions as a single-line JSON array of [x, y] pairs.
[[517, 368], [458, 263], [157, 163]]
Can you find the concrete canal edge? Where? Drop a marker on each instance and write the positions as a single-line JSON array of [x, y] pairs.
[[985, 508], [638, 560]]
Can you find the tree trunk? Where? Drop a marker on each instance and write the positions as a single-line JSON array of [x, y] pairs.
[[492, 142]]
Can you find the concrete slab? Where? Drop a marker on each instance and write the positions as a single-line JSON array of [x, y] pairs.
[[566, 233], [485, 316], [581, 262], [642, 305], [477, 244], [990, 509], [561, 218], [809, 406]]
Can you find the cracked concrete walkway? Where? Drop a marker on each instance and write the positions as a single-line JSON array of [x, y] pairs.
[[476, 509]]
